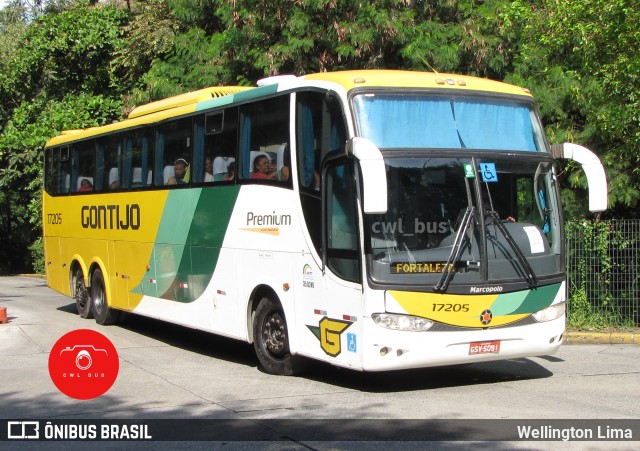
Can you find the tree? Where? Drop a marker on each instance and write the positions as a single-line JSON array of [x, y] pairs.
[[58, 76], [580, 60]]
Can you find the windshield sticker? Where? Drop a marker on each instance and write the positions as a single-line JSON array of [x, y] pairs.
[[489, 173], [535, 239], [468, 171]]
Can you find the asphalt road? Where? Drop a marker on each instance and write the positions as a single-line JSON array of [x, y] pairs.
[[170, 372]]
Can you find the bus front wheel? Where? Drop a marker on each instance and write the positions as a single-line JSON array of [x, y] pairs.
[[271, 338], [81, 295], [101, 311]]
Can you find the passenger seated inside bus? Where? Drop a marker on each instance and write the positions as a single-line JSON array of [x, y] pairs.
[[85, 184], [208, 170], [283, 163], [180, 171], [221, 168], [262, 168], [231, 171], [114, 178]]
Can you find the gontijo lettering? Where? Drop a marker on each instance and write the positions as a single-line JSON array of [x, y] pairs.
[[110, 217]]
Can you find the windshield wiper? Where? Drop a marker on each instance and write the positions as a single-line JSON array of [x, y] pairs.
[[529, 275], [456, 250]]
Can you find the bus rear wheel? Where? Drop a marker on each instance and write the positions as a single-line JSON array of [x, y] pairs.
[[271, 338], [81, 295], [101, 311]]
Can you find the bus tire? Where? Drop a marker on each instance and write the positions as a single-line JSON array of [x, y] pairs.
[[81, 295], [101, 311], [271, 338]]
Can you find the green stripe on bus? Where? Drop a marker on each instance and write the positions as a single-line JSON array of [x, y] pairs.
[[237, 97], [538, 299], [523, 302], [190, 235]]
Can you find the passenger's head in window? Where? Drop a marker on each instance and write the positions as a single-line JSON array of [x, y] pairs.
[[85, 185], [181, 172], [262, 168], [231, 171], [208, 169]]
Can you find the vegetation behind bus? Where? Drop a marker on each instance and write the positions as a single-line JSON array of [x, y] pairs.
[[82, 64]]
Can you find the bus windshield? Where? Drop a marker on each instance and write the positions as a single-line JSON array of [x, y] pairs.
[[466, 221], [420, 120]]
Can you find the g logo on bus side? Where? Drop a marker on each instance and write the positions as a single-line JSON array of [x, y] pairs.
[[329, 332]]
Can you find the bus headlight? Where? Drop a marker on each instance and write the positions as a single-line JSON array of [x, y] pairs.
[[402, 322], [550, 313]]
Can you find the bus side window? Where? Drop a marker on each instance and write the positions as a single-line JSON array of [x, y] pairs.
[[264, 129], [320, 129], [341, 223], [83, 166], [108, 163], [57, 176], [173, 149], [138, 160], [215, 146]]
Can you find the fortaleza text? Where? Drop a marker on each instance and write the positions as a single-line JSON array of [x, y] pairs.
[[573, 433]]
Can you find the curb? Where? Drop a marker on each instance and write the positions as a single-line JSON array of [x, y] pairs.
[[601, 338]]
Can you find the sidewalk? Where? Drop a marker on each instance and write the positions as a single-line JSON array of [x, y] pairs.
[[581, 337]]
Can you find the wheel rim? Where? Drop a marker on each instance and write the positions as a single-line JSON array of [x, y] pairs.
[[98, 299], [81, 292], [274, 334]]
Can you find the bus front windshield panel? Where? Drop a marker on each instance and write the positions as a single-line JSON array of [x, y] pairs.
[[450, 217], [427, 121]]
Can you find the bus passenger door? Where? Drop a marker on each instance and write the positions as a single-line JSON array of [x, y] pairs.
[[337, 324]]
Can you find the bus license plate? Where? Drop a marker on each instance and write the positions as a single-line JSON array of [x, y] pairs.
[[484, 347]]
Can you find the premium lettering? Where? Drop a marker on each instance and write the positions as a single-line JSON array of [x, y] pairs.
[[110, 217], [268, 220]]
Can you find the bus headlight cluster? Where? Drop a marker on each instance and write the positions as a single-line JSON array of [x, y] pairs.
[[550, 313], [402, 322]]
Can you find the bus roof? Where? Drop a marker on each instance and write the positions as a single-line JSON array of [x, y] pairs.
[[352, 79]]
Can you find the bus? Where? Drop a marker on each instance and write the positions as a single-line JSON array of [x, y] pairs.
[[372, 219]]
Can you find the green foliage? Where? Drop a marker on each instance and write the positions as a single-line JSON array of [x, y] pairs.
[[15, 232], [37, 256], [22, 140], [245, 40], [580, 60], [64, 53], [149, 35], [603, 292]]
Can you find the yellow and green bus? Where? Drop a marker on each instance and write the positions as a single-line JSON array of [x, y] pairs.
[[372, 219]]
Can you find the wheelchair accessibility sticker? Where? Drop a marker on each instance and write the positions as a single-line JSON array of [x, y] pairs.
[[488, 171], [351, 343]]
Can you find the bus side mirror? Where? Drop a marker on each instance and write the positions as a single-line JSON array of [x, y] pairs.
[[374, 175], [593, 169]]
